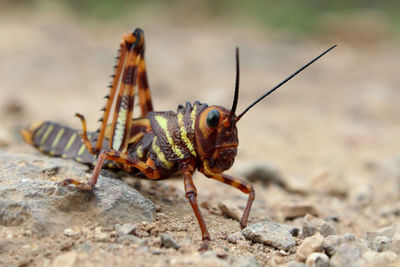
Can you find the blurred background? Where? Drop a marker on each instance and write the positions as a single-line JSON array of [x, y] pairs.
[[342, 113]]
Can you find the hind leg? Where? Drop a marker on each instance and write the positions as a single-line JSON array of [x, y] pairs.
[[148, 169]]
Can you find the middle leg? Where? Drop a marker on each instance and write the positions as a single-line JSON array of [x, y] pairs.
[[191, 195]]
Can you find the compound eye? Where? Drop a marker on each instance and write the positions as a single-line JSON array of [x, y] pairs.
[[212, 118]]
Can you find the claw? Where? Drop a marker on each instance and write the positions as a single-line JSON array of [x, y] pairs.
[[78, 185], [205, 246]]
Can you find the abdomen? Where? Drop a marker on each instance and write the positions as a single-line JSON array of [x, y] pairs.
[[58, 140]]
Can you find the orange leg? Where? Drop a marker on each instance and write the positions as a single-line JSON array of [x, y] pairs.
[[84, 135], [242, 186], [151, 172], [145, 102], [129, 72], [191, 195]]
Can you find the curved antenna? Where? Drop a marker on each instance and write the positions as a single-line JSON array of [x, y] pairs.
[[282, 83], [236, 96]]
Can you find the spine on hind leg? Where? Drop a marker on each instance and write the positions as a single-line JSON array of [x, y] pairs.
[[57, 140]]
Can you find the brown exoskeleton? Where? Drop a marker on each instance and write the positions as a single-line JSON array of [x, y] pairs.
[[157, 144]]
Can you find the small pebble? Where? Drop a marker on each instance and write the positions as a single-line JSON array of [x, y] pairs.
[[350, 253], [101, 236], [229, 209], [86, 247], [294, 210], [386, 258], [125, 229], [221, 253], [236, 237], [294, 230], [272, 234], [66, 260], [332, 242], [308, 246], [312, 225], [27, 232], [388, 231], [317, 259], [129, 239], [70, 232], [381, 243], [168, 242]]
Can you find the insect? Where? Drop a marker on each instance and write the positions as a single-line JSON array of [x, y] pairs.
[[156, 144]]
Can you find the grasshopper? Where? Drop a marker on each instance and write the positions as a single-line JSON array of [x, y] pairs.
[[156, 145]]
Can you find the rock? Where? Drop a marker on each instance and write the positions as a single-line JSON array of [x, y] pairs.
[[395, 246], [168, 242], [332, 242], [272, 234], [236, 237], [68, 259], [387, 258], [381, 243], [245, 262], [70, 232], [196, 260], [294, 210], [221, 253], [388, 231], [218, 252], [387, 238], [125, 229], [101, 236], [309, 245], [261, 171], [46, 208], [293, 230], [293, 264], [361, 195], [312, 225], [17, 167], [230, 209], [330, 183], [349, 254], [86, 247], [317, 259], [129, 239]]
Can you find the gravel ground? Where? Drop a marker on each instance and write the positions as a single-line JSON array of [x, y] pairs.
[[323, 152]]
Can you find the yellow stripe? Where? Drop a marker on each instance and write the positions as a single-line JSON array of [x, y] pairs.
[[139, 151], [58, 137], [38, 133], [46, 134], [81, 150], [70, 141], [135, 138], [193, 115], [163, 122], [160, 154], [184, 137]]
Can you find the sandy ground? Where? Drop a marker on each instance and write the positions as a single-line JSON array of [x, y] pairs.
[[339, 119]]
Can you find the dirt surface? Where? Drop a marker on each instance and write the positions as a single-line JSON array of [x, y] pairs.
[[332, 132]]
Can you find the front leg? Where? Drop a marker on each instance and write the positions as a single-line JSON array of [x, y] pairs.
[[187, 170], [242, 186]]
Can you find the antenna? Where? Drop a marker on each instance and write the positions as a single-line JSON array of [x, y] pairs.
[[236, 96], [282, 83]]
